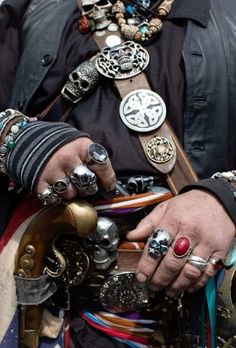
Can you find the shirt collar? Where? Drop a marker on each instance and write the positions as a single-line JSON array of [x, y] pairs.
[[197, 10]]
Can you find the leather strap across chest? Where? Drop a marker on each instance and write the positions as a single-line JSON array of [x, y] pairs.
[[178, 170]]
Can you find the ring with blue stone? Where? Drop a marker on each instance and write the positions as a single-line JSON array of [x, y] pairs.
[[158, 243]]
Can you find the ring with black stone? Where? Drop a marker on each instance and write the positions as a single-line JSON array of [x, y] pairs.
[[97, 154]]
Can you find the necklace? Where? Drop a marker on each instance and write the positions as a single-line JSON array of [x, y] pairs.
[[138, 28], [135, 19]]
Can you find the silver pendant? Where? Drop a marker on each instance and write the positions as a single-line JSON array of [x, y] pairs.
[[122, 61], [142, 110], [160, 149], [122, 293], [81, 81]]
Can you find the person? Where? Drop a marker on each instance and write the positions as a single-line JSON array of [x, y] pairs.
[[190, 66]]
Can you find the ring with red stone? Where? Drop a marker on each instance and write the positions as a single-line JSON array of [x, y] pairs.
[[181, 247]]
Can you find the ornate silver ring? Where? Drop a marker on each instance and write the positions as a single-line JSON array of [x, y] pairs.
[[49, 197], [158, 243], [61, 185], [97, 154], [198, 262], [84, 180]]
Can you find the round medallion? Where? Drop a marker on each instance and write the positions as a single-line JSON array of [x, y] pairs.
[[112, 27], [100, 33], [142, 110], [113, 40], [122, 293], [160, 149], [121, 60]]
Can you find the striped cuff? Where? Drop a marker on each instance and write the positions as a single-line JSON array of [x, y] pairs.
[[34, 146]]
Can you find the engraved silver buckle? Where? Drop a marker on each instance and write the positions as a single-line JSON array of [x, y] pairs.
[[122, 61]]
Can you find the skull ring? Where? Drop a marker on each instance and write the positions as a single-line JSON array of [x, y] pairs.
[[158, 243], [48, 197], [84, 180], [61, 185]]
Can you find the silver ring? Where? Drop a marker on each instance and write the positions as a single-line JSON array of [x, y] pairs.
[[158, 243], [84, 180], [97, 154], [219, 263], [61, 185], [198, 262], [48, 197]]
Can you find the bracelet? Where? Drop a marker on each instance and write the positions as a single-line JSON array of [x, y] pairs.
[[229, 178], [11, 122]]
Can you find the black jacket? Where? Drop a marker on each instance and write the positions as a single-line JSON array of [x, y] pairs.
[[194, 75]]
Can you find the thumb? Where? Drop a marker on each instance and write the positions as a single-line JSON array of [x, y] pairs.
[[148, 224]]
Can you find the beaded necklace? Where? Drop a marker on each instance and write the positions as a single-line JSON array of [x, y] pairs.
[[137, 22], [132, 28]]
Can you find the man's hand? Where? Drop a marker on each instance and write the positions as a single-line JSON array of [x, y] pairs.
[[66, 159], [197, 215]]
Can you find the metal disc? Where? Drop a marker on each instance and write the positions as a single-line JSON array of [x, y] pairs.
[[122, 293], [142, 110], [121, 60], [160, 149]]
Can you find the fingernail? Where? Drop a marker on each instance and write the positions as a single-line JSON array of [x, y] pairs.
[[190, 290], [142, 278], [154, 288], [170, 294]]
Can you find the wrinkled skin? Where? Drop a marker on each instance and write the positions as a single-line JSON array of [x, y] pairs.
[[66, 159], [196, 214]]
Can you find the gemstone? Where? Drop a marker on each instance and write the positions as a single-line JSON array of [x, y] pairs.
[[98, 153], [14, 129], [181, 246], [11, 144]]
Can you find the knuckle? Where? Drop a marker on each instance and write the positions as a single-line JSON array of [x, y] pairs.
[[209, 272], [172, 266], [146, 267], [158, 282], [191, 272], [200, 284]]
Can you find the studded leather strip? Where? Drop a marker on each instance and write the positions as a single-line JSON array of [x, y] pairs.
[[177, 168]]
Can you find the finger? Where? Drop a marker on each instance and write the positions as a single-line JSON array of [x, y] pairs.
[[105, 174], [96, 158], [210, 271], [149, 224], [172, 264], [190, 273], [147, 265], [70, 191]]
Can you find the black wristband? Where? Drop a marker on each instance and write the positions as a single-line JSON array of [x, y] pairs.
[[34, 146], [222, 189]]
